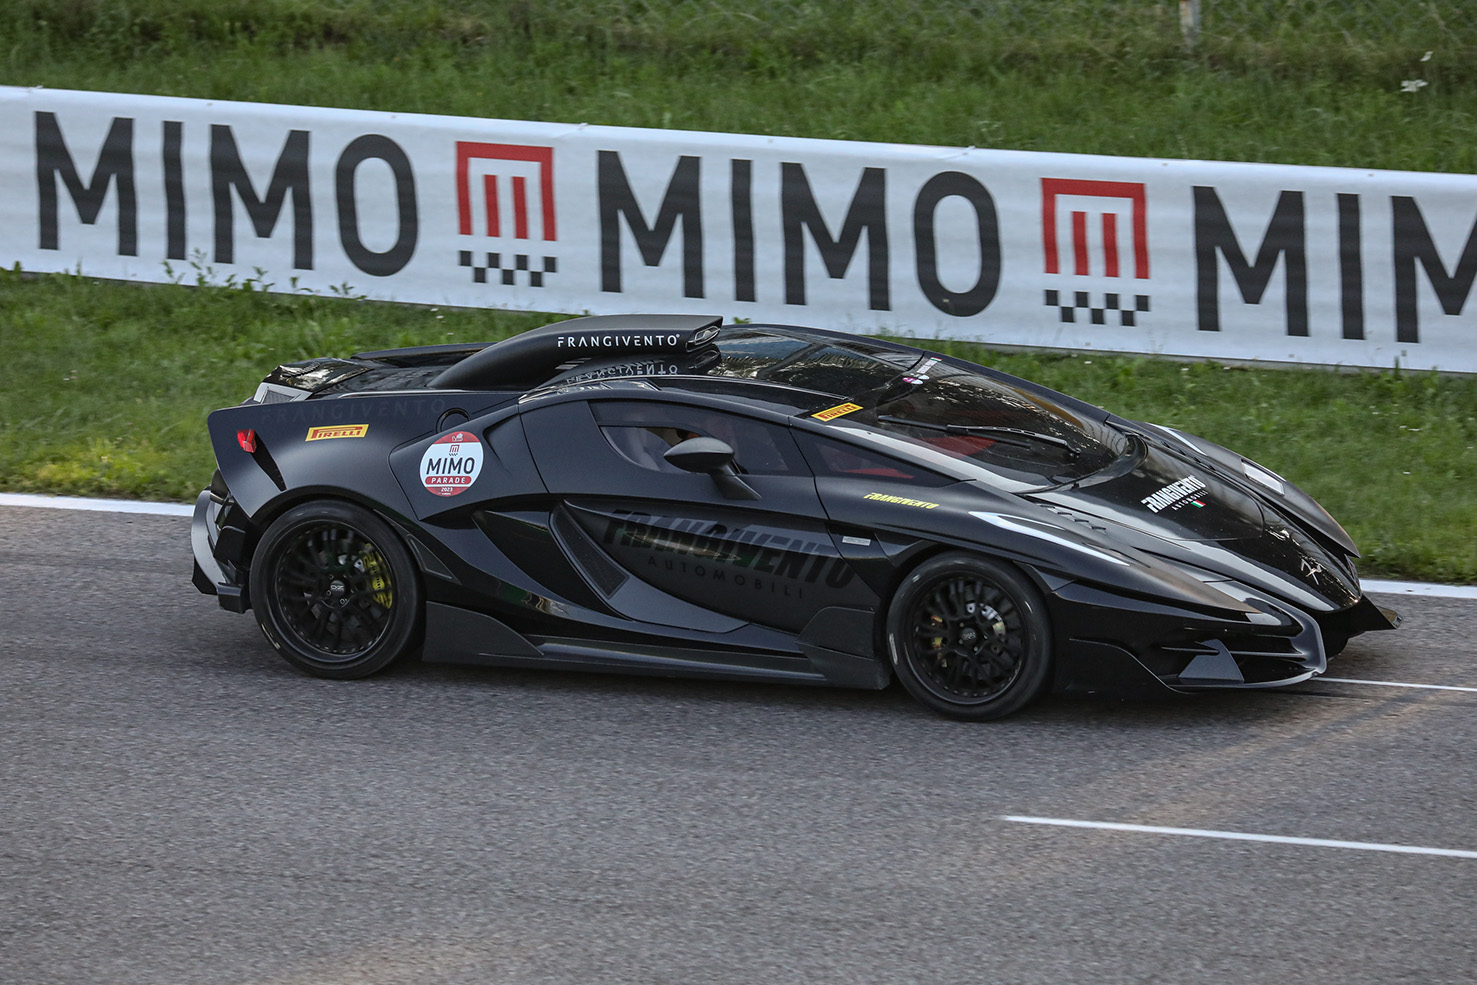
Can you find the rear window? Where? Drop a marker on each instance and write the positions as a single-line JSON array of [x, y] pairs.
[[841, 368]]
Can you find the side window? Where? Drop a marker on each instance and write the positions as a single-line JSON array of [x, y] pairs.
[[835, 458], [645, 446], [642, 431]]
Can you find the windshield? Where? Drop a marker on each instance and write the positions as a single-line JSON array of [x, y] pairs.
[[968, 416], [958, 418]]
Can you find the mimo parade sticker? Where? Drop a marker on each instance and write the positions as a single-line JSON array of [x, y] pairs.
[[451, 464]]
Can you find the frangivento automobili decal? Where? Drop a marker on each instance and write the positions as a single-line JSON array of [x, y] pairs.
[[1176, 494]]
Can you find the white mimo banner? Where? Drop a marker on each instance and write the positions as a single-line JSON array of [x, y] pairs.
[[1188, 258]]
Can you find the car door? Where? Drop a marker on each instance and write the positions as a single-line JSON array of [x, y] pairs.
[[678, 548]]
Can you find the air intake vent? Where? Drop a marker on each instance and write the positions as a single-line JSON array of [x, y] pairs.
[[591, 561], [273, 393]]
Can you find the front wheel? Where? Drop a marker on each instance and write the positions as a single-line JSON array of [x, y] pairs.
[[335, 590], [969, 637]]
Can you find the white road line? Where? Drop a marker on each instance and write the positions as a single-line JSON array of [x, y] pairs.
[[1418, 588], [1426, 687], [98, 505], [180, 509], [1363, 846]]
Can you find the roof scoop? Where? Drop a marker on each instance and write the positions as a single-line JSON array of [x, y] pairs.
[[534, 355]]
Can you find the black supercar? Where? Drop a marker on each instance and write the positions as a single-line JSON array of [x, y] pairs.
[[663, 494]]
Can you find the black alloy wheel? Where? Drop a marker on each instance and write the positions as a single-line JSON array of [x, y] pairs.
[[969, 637], [335, 590]]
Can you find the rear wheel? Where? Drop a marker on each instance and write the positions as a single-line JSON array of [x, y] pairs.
[[969, 637], [335, 590]]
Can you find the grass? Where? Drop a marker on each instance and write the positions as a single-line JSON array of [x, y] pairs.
[[105, 387], [1078, 80]]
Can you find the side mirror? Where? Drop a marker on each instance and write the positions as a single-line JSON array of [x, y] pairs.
[[716, 459], [700, 455]]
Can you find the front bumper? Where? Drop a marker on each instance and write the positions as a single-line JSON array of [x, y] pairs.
[[1113, 644], [1362, 617]]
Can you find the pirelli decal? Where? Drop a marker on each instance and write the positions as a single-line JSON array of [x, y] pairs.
[[840, 410], [337, 431]]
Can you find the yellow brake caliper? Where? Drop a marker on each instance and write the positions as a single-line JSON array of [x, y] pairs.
[[379, 583], [938, 643]]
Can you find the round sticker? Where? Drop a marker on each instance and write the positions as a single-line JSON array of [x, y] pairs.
[[452, 463]]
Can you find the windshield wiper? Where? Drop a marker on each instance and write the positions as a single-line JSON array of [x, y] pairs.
[[1019, 437], [886, 393]]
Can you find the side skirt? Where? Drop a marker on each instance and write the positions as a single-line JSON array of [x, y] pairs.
[[461, 636]]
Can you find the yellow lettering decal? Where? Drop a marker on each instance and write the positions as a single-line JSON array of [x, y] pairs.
[[337, 431], [901, 501], [840, 410]]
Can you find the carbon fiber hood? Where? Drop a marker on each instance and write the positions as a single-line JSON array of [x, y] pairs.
[[1164, 495], [1193, 513]]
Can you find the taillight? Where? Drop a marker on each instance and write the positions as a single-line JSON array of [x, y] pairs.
[[247, 440]]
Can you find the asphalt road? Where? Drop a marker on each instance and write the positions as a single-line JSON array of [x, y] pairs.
[[180, 806]]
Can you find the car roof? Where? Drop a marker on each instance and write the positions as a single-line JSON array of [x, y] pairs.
[[786, 365], [788, 368]]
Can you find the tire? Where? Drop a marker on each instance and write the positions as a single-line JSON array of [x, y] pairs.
[[969, 637], [335, 591]]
